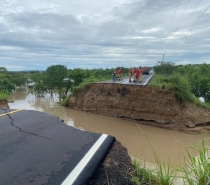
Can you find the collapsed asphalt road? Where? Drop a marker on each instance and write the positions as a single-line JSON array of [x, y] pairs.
[[37, 148]]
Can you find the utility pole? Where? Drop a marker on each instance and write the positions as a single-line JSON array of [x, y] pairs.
[[163, 57]]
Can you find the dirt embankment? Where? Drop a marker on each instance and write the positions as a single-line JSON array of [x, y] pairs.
[[4, 104], [145, 104]]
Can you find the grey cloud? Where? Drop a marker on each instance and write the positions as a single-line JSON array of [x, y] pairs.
[[78, 35]]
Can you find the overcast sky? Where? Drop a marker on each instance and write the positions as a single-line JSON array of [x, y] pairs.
[[35, 34]]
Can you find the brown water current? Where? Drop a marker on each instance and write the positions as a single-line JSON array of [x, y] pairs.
[[138, 139]]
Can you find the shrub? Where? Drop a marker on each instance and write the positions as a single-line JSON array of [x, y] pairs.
[[4, 95], [176, 83]]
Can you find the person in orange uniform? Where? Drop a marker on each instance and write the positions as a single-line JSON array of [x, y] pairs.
[[140, 75], [137, 74], [130, 74], [134, 74]]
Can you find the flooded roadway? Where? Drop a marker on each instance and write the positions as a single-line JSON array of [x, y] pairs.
[[138, 139]]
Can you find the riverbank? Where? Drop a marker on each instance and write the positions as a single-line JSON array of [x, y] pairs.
[[4, 104], [144, 104]]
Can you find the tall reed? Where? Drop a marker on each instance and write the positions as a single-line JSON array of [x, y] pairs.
[[196, 170]]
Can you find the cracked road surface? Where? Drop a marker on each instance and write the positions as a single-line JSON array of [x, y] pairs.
[[39, 149]]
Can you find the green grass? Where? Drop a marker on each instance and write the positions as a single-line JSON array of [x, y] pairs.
[[164, 174], [4, 95], [195, 171], [179, 86], [87, 82], [143, 175], [65, 101]]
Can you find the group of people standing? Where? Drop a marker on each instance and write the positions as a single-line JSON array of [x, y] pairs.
[[117, 74], [136, 73]]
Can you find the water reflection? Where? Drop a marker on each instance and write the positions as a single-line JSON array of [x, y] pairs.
[[137, 140], [46, 104], [22, 95]]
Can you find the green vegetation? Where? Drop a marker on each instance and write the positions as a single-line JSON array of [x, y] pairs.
[[87, 81], [10, 81], [195, 171], [176, 83], [143, 175], [188, 82], [65, 101], [6, 88], [54, 79], [164, 174], [4, 95]]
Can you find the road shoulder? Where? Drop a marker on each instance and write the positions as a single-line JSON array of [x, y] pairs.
[[116, 169]]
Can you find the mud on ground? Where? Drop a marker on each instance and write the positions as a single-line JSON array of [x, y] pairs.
[[4, 104]]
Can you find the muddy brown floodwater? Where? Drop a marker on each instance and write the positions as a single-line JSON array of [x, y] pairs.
[[138, 139]]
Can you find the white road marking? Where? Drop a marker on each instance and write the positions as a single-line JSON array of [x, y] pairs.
[[81, 165], [148, 79]]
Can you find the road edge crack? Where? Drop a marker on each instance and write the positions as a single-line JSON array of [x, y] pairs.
[[20, 129]]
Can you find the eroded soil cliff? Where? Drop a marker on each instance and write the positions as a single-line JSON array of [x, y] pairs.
[[145, 104], [4, 104]]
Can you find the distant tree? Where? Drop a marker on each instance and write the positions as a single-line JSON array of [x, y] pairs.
[[36, 77], [78, 75], [52, 80], [68, 83], [54, 77], [166, 68], [18, 79], [3, 70], [6, 86], [39, 89]]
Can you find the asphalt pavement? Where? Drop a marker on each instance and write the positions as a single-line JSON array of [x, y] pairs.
[[125, 80], [39, 149]]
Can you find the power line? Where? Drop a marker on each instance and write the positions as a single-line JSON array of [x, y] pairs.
[[172, 19], [181, 17], [191, 28], [188, 21], [191, 15]]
